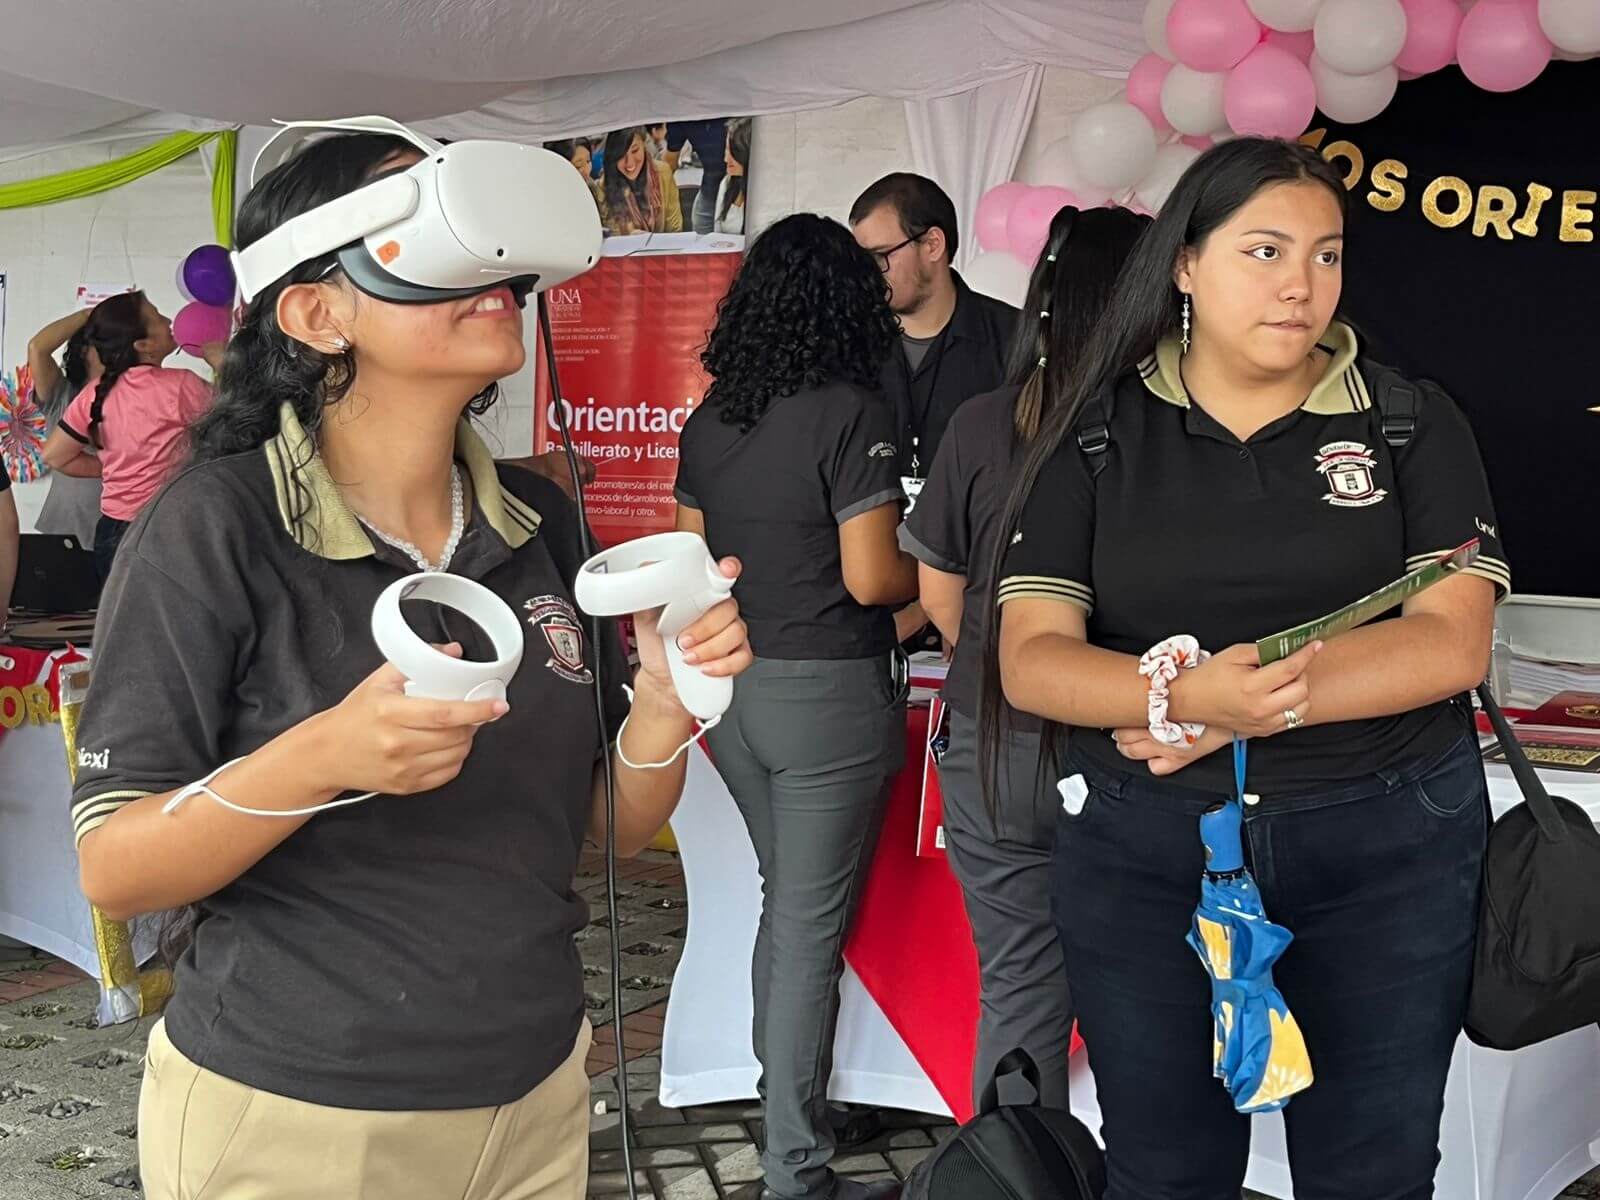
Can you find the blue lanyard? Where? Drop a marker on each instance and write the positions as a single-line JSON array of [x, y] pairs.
[[1239, 758]]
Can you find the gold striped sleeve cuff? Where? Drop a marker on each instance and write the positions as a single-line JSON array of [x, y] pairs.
[[96, 810], [1044, 587], [1496, 571]]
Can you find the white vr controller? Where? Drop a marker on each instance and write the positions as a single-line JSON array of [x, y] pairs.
[[431, 673], [676, 573]]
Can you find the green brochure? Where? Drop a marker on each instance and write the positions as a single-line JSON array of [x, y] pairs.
[[1281, 645]]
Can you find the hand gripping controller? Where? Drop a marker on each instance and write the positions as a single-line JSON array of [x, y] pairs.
[[435, 675], [674, 570]]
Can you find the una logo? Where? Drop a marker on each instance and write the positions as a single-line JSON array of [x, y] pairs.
[[555, 618], [1347, 467]]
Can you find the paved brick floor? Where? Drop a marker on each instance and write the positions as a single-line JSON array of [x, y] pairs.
[[69, 1091]]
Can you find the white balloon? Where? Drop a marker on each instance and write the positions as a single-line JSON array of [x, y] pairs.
[[996, 273], [1286, 16], [1155, 27], [1192, 100], [1170, 164], [1351, 99], [1113, 144], [1573, 25], [1359, 37], [1055, 167]]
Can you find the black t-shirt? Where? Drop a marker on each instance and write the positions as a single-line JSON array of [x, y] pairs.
[[404, 953], [967, 358], [775, 498], [956, 522], [1187, 530]]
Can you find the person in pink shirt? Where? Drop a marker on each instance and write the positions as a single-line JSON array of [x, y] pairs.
[[136, 416]]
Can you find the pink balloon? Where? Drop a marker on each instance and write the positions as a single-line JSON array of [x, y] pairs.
[[196, 324], [1200, 142], [1144, 89], [1271, 94], [1502, 46], [1028, 226], [993, 210], [1212, 35], [1301, 45], [1432, 27]]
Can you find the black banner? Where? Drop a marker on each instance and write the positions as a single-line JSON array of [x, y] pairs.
[[1472, 260]]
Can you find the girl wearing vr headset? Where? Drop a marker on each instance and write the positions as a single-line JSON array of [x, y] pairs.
[[383, 999]]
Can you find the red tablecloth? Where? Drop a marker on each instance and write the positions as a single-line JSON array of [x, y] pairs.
[[912, 944]]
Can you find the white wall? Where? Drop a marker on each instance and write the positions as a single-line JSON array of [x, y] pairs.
[[820, 161], [136, 235]]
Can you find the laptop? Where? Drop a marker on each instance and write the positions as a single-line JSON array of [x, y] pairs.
[[54, 575]]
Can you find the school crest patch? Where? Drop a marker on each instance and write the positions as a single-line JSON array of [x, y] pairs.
[[556, 619], [1347, 468]]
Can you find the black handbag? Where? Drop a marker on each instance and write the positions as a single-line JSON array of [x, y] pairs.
[[1537, 967], [1013, 1152]]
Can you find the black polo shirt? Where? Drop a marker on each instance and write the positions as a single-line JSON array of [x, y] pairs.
[[403, 953], [1188, 530], [775, 498], [966, 358], [956, 522]]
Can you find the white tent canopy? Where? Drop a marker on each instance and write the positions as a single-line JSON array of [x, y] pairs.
[[84, 70]]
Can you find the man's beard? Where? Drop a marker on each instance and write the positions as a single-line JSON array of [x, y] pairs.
[[917, 295]]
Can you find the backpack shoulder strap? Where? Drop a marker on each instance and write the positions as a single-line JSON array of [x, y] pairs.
[[1397, 399], [1094, 431]]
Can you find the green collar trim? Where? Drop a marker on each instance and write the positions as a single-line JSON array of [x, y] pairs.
[[326, 526], [1340, 390]]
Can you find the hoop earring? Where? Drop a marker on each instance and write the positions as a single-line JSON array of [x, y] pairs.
[[1186, 323]]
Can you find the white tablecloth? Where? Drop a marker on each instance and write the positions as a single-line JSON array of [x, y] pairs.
[[1517, 1126], [40, 902]]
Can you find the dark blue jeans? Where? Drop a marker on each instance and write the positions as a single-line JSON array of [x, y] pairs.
[[1377, 880], [108, 533]]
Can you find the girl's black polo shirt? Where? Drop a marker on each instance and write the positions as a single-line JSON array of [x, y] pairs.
[[1189, 530], [403, 953]]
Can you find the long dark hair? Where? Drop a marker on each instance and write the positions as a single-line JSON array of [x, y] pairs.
[[114, 329], [75, 362], [631, 201], [807, 307], [1070, 289], [1144, 309], [739, 145]]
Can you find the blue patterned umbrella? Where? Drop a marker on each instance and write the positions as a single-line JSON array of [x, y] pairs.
[[1258, 1051]]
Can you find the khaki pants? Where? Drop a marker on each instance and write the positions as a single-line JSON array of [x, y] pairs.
[[202, 1136]]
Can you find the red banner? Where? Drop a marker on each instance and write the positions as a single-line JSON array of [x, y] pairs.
[[628, 337]]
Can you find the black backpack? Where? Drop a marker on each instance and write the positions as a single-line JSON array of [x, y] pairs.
[[1013, 1152], [1537, 969]]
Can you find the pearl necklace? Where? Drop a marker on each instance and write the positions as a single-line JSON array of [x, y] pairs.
[[457, 526]]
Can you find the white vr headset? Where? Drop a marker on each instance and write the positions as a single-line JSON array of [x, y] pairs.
[[470, 216]]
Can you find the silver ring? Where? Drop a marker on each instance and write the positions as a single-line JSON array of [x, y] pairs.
[[1293, 720]]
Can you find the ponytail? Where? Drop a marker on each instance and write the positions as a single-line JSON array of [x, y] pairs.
[[114, 331]]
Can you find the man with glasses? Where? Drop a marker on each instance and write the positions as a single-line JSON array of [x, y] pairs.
[[954, 341]]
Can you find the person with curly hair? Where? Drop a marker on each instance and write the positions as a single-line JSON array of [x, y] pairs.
[[790, 463]]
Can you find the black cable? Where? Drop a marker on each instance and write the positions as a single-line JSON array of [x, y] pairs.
[[558, 406]]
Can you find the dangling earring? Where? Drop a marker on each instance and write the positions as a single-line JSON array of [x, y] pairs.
[[1186, 322]]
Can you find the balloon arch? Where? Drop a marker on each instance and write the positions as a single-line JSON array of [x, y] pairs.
[[1221, 68]]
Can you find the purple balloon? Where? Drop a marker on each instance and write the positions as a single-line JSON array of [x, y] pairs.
[[208, 275], [197, 324]]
